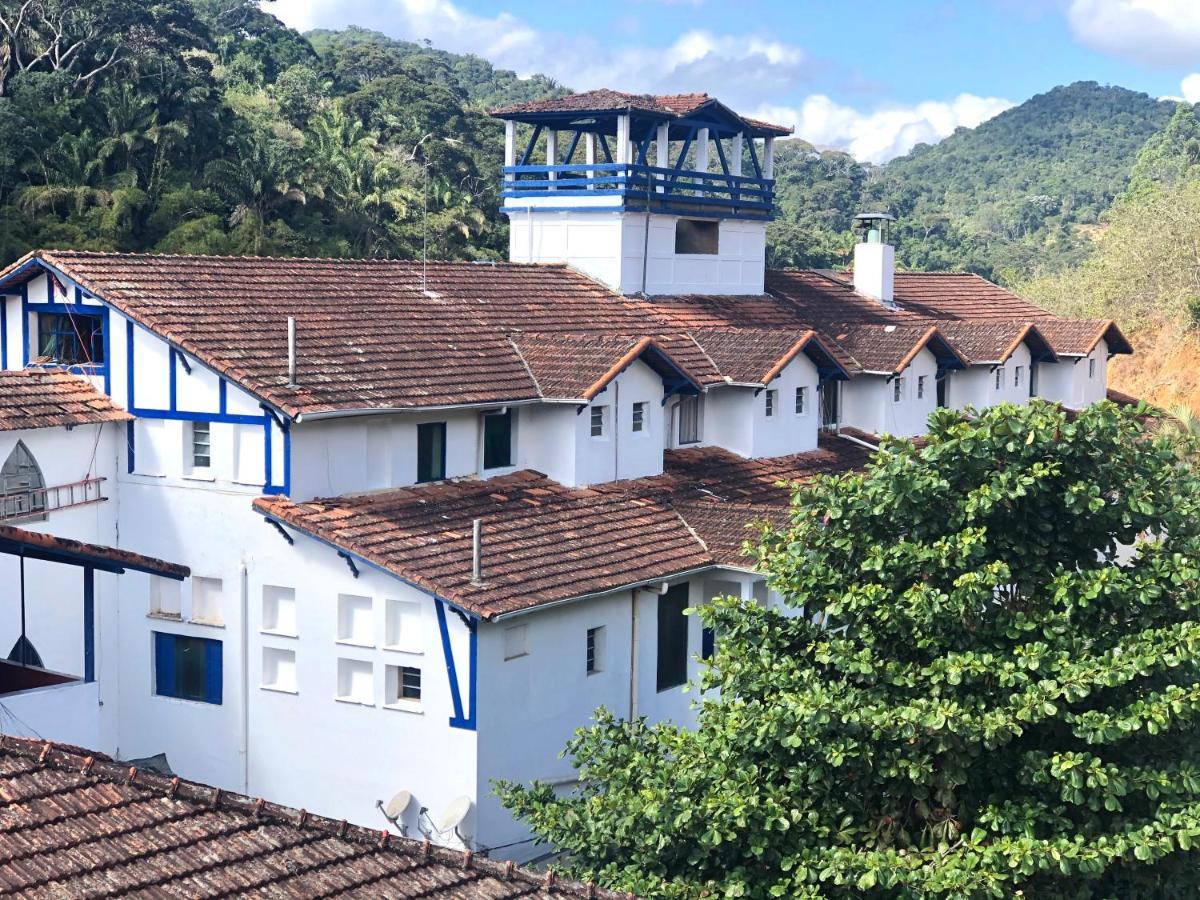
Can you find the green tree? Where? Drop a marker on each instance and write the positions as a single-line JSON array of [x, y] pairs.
[[979, 692], [1168, 158]]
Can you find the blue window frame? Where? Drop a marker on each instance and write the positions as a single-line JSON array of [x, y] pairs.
[[187, 668], [71, 338]]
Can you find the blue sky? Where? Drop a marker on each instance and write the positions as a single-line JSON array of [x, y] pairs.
[[870, 76]]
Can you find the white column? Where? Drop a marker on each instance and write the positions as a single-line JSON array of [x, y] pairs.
[[589, 156], [663, 152], [702, 158], [510, 142], [552, 153], [623, 138], [735, 163], [769, 158]]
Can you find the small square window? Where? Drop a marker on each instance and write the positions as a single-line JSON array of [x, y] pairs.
[[355, 620], [410, 683], [355, 681], [516, 642], [801, 400], [207, 600], [201, 445], [1000, 378], [402, 626], [165, 596], [771, 402], [921, 386], [279, 669], [898, 390], [279, 609], [403, 686], [187, 668], [595, 650], [639, 417], [599, 414], [1092, 367]]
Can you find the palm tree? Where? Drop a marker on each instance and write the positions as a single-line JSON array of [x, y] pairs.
[[258, 181]]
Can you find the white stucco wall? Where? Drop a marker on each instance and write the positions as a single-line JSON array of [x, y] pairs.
[[1075, 381], [610, 247], [620, 452], [975, 386], [736, 416], [868, 401]]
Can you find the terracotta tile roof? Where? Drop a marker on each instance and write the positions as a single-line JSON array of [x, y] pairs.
[[1079, 337], [994, 342], [754, 356], [40, 398], [77, 824], [581, 366], [543, 542], [48, 545], [608, 100], [890, 348]]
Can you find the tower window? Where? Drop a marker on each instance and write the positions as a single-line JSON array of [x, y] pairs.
[[696, 236]]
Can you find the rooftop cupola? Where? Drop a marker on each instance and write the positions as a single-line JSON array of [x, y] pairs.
[[875, 257], [648, 194]]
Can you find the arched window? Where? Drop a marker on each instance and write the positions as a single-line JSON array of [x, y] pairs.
[[21, 486]]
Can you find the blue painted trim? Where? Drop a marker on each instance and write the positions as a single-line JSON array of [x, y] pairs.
[[179, 415], [26, 337], [3, 331], [721, 157], [49, 289], [287, 460], [754, 159], [172, 401], [571, 149], [473, 674], [267, 454], [269, 485], [89, 623], [187, 366], [458, 720], [130, 404], [621, 207], [537, 133], [222, 396], [108, 364], [67, 309], [349, 562], [129, 436], [604, 146]]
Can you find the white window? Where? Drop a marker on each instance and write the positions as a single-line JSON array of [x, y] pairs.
[[356, 620], [165, 597], [898, 390], [639, 417], [921, 386], [355, 681], [801, 400], [402, 626], [279, 610], [207, 601], [599, 415], [201, 445], [403, 686], [595, 650], [279, 669], [516, 641], [1091, 367], [999, 377], [689, 419], [1018, 375], [772, 402]]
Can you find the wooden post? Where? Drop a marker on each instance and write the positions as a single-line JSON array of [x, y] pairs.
[[769, 158], [702, 158], [662, 152], [552, 154], [510, 142], [735, 164], [589, 156], [623, 138]]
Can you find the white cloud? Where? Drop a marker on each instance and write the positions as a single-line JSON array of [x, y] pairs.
[[884, 133], [1156, 32], [753, 73], [1190, 87]]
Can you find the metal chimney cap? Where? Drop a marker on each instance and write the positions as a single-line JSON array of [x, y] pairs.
[[874, 217]]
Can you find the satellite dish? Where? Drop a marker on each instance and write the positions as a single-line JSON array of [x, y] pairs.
[[397, 805], [458, 810]]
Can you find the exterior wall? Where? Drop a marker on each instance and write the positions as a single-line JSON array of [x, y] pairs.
[[621, 452], [1068, 381], [69, 713], [737, 419], [868, 400], [610, 247], [975, 387]]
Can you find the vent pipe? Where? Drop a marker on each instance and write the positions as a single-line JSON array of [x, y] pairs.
[[291, 332], [477, 551]]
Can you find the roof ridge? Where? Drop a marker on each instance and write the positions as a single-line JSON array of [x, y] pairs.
[[80, 761], [43, 252]]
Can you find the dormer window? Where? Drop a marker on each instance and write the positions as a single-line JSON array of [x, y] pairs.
[[599, 414], [71, 339]]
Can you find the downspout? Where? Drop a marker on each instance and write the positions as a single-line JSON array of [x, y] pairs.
[[616, 428], [244, 578], [633, 654]]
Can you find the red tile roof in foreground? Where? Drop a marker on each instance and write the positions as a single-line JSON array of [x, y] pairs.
[[40, 398], [78, 824], [50, 545], [545, 543]]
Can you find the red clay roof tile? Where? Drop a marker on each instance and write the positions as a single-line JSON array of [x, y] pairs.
[[41, 398]]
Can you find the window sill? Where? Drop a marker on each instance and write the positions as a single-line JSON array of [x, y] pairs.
[[282, 634], [199, 476], [348, 642], [397, 648], [412, 707], [518, 656], [165, 616], [352, 701], [207, 623], [279, 690]]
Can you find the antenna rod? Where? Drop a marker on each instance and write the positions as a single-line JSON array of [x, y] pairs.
[[291, 331], [477, 551]]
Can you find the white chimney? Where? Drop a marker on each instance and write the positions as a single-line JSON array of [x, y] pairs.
[[875, 258]]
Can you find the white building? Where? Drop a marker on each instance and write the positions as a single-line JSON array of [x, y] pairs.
[[432, 519]]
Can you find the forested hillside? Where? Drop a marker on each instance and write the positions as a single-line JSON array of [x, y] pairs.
[[207, 126], [1018, 195]]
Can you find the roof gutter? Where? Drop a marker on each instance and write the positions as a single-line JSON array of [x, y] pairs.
[[398, 410]]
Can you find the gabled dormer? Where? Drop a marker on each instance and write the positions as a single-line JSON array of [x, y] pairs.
[[647, 194]]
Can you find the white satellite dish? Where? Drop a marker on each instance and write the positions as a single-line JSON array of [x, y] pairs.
[[458, 810], [397, 805]]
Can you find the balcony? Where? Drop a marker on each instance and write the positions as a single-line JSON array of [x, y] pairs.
[[37, 502], [637, 188]]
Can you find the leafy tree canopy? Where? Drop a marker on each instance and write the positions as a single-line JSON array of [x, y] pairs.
[[977, 692]]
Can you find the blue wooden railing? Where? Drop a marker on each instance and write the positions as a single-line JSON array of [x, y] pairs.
[[639, 185]]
